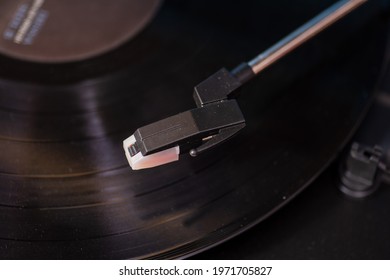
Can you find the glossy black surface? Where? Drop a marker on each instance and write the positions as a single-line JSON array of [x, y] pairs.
[[323, 223], [66, 190], [320, 223]]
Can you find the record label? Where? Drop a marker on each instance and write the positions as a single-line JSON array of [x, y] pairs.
[[63, 31]]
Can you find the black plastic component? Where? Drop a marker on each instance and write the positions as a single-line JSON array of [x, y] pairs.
[[223, 134], [217, 87], [133, 149], [215, 120], [189, 128], [243, 72], [359, 176]]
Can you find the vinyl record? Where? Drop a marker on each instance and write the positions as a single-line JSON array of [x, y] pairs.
[[66, 190]]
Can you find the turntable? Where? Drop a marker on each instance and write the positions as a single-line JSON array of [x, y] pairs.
[[76, 79]]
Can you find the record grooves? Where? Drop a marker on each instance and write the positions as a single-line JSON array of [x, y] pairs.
[[66, 190]]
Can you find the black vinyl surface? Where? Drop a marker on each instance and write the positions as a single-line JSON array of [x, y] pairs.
[[319, 224], [323, 223], [66, 190]]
